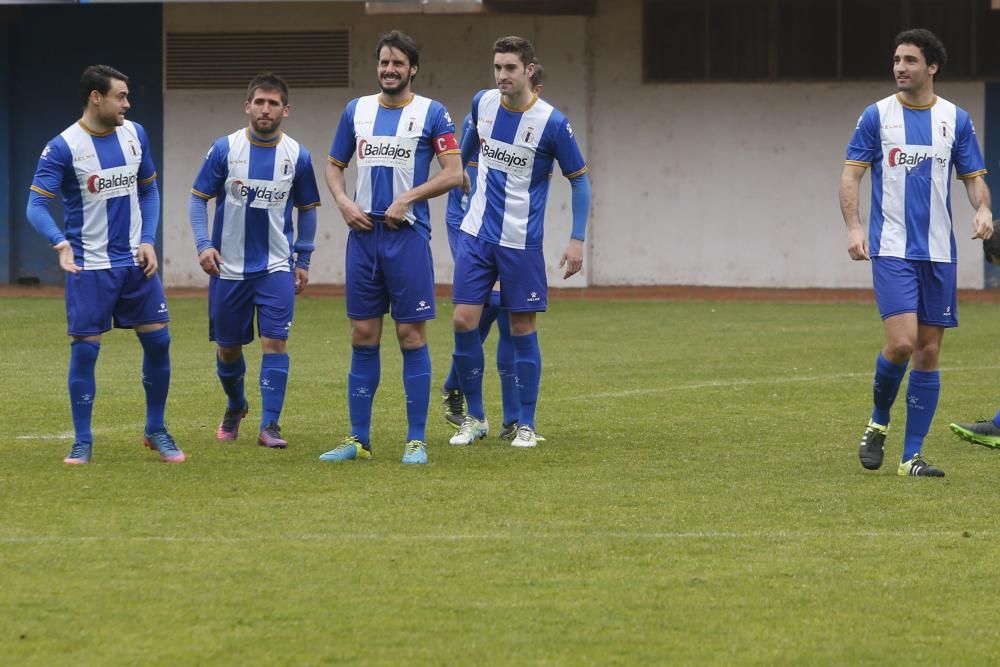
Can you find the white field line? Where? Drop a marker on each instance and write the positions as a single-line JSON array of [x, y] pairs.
[[770, 535], [742, 382]]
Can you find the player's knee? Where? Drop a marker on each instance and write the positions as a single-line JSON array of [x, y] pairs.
[[411, 336], [365, 333], [926, 357], [464, 321], [898, 350], [273, 345]]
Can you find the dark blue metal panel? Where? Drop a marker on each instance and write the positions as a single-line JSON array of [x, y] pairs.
[[6, 209], [991, 133], [51, 45]]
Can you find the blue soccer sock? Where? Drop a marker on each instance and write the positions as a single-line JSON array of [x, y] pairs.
[[528, 361], [888, 376], [362, 382], [417, 384], [491, 311], [273, 382], [82, 386], [468, 359], [155, 376], [232, 378], [508, 372], [922, 394]]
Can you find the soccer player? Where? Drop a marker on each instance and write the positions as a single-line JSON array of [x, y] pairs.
[[518, 136], [395, 135], [911, 140], [258, 175], [103, 169], [452, 399]]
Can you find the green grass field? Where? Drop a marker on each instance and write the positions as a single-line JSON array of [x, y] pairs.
[[698, 501]]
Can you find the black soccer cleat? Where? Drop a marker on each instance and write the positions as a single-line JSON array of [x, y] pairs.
[[872, 449]]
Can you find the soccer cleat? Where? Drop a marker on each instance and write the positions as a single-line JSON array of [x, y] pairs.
[[270, 437], [415, 452], [510, 430], [525, 437], [917, 467], [873, 446], [350, 449], [163, 442], [453, 402], [229, 427], [471, 430], [983, 433], [79, 454]]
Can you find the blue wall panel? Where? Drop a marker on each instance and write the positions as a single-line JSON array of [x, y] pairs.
[[51, 46]]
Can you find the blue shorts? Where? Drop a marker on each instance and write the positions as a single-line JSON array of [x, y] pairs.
[[232, 303], [454, 238], [916, 286], [121, 296], [479, 264], [389, 268]]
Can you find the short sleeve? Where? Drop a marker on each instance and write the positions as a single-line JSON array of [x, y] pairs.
[[51, 169], [147, 168], [865, 142], [342, 149], [965, 153], [212, 174], [304, 190], [568, 152]]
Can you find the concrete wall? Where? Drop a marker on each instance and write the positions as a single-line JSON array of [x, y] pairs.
[[456, 61], [721, 184]]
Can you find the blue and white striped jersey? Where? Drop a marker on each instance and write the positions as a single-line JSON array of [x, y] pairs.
[[394, 146], [98, 177], [911, 151], [458, 199], [257, 184], [516, 152]]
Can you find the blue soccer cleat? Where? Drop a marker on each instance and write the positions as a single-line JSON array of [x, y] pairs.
[[415, 452], [79, 454], [349, 450], [163, 442]]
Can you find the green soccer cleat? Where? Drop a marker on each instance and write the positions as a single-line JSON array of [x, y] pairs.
[[917, 467], [872, 448], [349, 450], [983, 433]]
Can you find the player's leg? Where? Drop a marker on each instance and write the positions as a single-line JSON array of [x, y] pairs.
[[230, 325], [938, 310], [367, 303], [452, 398], [275, 303], [896, 293], [510, 400], [90, 298], [142, 305], [524, 293], [475, 274], [409, 279]]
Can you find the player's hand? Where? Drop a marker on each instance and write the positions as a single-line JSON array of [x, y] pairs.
[[210, 261], [572, 258], [982, 224], [66, 262], [354, 217], [395, 215], [466, 183], [301, 279], [147, 259], [857, 245]]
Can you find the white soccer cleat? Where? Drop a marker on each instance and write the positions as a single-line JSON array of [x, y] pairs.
[[471, 430], [525, 438]]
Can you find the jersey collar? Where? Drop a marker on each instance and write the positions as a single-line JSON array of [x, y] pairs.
[[914, 106], [95, 133], [398, 105], [258, 142]]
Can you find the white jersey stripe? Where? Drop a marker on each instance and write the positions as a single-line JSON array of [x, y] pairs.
[[893, 239], [943, 115]]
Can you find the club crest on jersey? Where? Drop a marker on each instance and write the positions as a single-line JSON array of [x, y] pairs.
[[133, 148], [286, 167], [528, 134]]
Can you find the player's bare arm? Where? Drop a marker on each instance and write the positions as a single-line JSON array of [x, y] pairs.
[[147, 259], [210, 261], [979, 197], [66, 262], [572, 258], [850, 184], [448, 178], [353, 215]]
